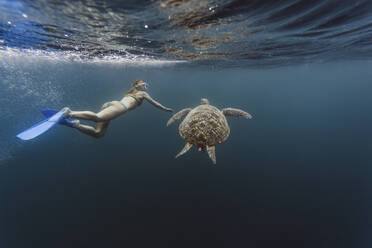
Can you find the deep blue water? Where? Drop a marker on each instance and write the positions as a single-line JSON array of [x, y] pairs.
[[298, 174]]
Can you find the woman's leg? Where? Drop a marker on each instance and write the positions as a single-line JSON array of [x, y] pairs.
[[97, 132], [85, 115], [107, 113]]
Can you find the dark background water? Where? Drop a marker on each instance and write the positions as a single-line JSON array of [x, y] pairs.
[[297, 175]]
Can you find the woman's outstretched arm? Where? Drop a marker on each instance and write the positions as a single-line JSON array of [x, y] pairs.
[[155, 103]]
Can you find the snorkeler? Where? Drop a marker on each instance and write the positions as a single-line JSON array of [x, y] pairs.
[[110, 110]]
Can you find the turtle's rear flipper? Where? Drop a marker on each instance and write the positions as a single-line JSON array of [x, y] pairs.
[[184, 150], [212, 153]]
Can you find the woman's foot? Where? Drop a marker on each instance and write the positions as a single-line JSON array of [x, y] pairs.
[[67, 112], [74, 123], [70, 123]]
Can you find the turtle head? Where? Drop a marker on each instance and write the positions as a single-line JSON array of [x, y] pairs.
[[140, 84], [204, 101]]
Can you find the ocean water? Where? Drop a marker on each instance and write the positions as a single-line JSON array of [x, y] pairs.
[[298, 174]]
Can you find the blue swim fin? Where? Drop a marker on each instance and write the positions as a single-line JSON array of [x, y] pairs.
[[49, 112], [42, 126]]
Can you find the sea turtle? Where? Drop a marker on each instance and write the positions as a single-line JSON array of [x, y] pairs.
[[205, 126]]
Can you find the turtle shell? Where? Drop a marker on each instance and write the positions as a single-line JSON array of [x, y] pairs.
[[205, 125]]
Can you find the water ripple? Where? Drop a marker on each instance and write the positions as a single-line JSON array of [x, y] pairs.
[[228, 32]]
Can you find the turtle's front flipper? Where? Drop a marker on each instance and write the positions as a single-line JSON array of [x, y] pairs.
[[178, 115], [236, 113], [184, 150], [212, 153]]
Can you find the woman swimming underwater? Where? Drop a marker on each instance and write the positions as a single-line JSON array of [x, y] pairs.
[[110, 110]]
